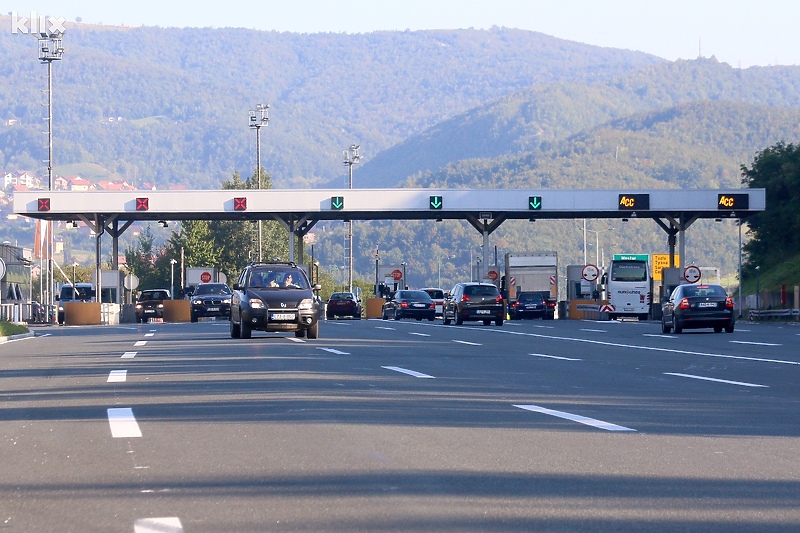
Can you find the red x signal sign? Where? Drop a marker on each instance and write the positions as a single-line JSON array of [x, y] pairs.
[[240, 204], [142, 204], [44, 204]]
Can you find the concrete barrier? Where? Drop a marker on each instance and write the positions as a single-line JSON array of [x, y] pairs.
[[177, 311], [375, 307], [82, 313]]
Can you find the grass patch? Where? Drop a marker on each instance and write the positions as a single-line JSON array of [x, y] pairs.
[[7, 329]]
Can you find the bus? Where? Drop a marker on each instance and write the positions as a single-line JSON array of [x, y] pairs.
[[628, 286]]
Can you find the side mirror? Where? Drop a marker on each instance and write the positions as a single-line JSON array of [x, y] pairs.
[[316, 287], [237, 287]]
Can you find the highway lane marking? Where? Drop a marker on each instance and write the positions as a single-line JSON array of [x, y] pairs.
[[331, 350], [295, 339], [122, 423], [167, 524], [661, 336], [407, 371], [594, 330], [756, 343], [419, 334], [608, 426], [646, 348], [691, 376], [140, 343], [384, 327], [149, 334], [117, 376], [129, 355], [554, 357], [469, 343]]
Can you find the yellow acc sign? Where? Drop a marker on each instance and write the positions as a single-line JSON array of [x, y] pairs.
[[660, 262]]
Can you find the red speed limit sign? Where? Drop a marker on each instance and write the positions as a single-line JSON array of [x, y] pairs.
[[692, 274]]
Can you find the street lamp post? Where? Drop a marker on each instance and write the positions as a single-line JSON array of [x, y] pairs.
[[74, 265], [172, 278], [405, 282], [351, 157], [758, 269], [259, 117]]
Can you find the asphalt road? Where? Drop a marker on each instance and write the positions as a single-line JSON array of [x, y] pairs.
[[390, 426]]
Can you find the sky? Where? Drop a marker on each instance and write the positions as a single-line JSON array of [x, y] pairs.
[[738, 32]]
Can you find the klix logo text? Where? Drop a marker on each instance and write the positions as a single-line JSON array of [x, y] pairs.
[[37, 24]]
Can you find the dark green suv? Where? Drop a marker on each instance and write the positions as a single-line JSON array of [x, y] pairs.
[[274, 297], [474, 301]]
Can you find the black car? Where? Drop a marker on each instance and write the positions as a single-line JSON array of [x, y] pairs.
[[274, 297], [151, 304], [474, 301], [409, 304], [343, 304], [528, 305], [210, 299], [698, 306]]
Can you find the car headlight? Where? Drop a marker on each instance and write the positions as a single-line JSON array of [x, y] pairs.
[[308, 303], [161, 306], [197, 302], [138, 306], [255, 303], [60, 307], [226, 301]]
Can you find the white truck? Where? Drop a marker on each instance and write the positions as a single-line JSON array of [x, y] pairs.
[[531, 272]]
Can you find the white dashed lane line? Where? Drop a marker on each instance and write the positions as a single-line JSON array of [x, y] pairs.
[[167, 524], [140, 343], [418, 334], [756, 343], [407, 371], [691, 376], [122, 423], [554, 357], [575, 418], [117, 376], [469, 343], [331, 350], [129, 355]]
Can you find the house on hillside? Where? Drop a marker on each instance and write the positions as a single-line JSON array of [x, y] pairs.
[[77, 183], [21, 178], [60, 183], [116, 185]]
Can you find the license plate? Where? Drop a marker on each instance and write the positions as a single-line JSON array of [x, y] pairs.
[[707, 304], [418, 305], [213, 308], [149, 311], [483, 312], [281, 316]]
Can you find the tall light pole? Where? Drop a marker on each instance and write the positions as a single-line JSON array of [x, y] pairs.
[[351, 157], [259, 117], [50, 49], [405, 282], [172, 278], [740, 268], [74, 265], [758, 269]]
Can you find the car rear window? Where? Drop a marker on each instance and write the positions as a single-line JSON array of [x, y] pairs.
[[481, 290], [414, 295], [530, 297], [691, 291], [435, 294]]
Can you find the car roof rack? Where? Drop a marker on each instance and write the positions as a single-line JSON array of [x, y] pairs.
[[274, 262]]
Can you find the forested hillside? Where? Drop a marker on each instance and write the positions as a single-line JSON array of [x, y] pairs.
[[170, 106]]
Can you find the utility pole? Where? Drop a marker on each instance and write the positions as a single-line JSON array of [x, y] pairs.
[[50, 49], [259, 117], [351, 157]]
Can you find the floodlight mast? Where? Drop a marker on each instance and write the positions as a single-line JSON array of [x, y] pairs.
[[50, 49], [259, 117], [351, 157]]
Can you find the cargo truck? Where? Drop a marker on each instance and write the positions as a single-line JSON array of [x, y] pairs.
[[531, 272]]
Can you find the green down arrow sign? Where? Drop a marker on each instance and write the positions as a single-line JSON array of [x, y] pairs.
[[535, 203], [436, 202], [337, 203]]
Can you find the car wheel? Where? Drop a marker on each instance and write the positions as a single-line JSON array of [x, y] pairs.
[[357, 316], [431, 319], [300, 333], [675, 326], [236, 332], [498, 321], [664, 327], [194, 317], [313, 331], [459, 320], [246, 330], [384, 316], [396, 315], [729, 329], [329, 317], [445, 320]]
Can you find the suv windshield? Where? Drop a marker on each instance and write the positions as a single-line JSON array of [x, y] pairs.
[[211, 288], [76, 293], [284, 278], [153, 296]]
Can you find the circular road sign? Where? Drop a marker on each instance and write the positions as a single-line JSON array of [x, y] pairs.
[[131, 281], [397, 274], [492, 275], [205, 277], [691, 274], [590, 273]]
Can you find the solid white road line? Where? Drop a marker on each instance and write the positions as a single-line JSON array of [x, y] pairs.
[[296, 339], [140, 343], [384, 327], [149, 334], [715, 379], [337, 352], [117, 376], [756, 343], [407, 371], [469, 343], [129, 355], [168, 524], [554, 357], [418, 334], [661, 336], [594, 330], [122, 423], [575, 418]]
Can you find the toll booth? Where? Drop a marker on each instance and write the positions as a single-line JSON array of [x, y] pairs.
[[577, 287]]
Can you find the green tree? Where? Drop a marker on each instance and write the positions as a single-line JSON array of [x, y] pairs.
[[774, 231], [147, 261]]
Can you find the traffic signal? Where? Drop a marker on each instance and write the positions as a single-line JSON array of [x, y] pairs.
[[535, 203], [436, 202], [337, 203]]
